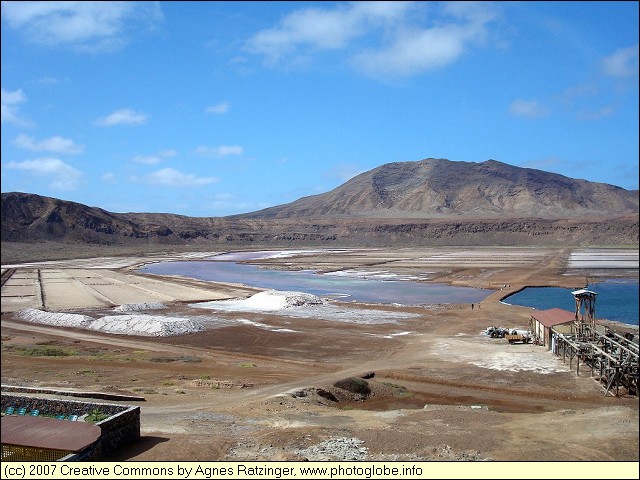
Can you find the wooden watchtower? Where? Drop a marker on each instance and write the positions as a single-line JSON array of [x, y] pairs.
[[585, 311]]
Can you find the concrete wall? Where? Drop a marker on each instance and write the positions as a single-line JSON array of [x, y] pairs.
[[120, 428]]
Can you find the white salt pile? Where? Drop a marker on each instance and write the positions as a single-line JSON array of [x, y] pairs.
[[144, 325], [303, 305], [269, 300], [56, 319], [148, 325], [136, 307], [275, 300]]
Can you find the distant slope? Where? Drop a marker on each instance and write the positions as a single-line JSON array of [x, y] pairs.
[[29, 217], [438, 188], [431, 202]]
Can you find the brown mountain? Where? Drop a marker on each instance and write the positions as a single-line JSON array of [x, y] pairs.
[[430, 202], [437, 188]]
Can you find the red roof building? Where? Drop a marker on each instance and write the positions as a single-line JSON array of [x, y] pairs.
[[543, 321]]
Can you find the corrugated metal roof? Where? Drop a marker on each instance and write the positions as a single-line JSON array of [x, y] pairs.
[[554, 316], [49, 433]]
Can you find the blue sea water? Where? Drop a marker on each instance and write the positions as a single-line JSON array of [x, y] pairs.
[[617, 299], [307, 281]]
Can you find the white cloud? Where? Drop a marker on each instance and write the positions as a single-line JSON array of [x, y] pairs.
[[125, 116], [528, 109], [414, 52], [63, 176], [85, 26], [108, 177], [219, 108], [406, 44], [218, 152], [13, 98], [622, 63], [155, 158], [170, 177], [55, 144], [591, 115], [323, 28], [9, 103]]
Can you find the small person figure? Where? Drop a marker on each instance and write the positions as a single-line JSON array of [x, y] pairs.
[[472, 306]]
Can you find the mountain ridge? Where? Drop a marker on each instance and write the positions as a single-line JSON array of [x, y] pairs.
[[433, 201], [433, 188]]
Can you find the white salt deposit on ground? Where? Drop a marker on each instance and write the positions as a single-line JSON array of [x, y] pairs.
[[603, 258], [377, 275], [391, 335], [270, 254], [113, 263], [136, 307], [265, 326], [497, 354], [144, 325], [303, 305]]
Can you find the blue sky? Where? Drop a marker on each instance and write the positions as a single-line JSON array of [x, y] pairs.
[[217, 108]]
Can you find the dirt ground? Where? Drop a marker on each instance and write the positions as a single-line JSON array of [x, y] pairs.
[[430, 386]]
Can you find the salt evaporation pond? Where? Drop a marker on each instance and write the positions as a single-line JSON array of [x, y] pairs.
[[617, 299], [341, 287]]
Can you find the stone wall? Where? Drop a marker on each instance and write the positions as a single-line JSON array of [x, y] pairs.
[[120, 428]]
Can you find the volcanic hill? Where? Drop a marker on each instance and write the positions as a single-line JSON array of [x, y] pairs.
[[442, 188], [428, 202]]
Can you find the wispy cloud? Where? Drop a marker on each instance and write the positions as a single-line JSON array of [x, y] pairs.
[[560, 165], [10, 113], [52, 80], [626, 174], [155, 158], [84, 26], [407, 43], [343, 172], [592, 115], [55, 144], [321, 29], [229, 203], [622, 63], [218, 152], [125, 116], [170, 177], [528, 109], [546, 163], [218, 108], [63, 176], [576, 92]]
